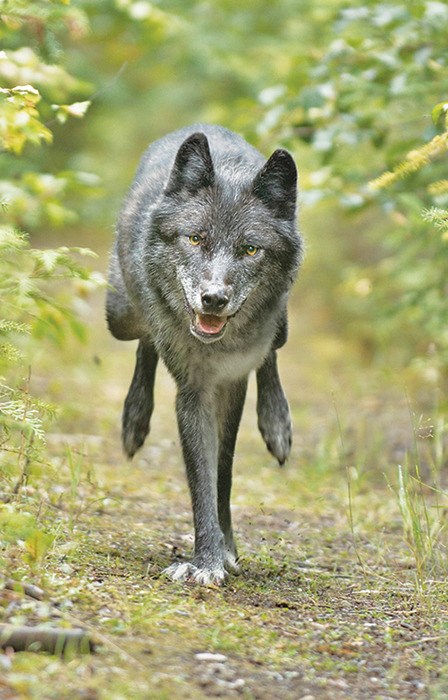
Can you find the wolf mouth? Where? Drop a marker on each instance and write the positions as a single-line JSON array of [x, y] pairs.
[[208, 326]]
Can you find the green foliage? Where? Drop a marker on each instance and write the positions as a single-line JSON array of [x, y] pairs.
[[18, 410], [421, 267], [15, 526], [438, 217], [423, 527], [20, 119], [367, 104], [41, 24], [349, 89], [34, 308]]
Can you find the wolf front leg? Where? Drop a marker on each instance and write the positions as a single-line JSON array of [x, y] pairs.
[[198, 428], [274, 420], [139, 403], [231, 404]]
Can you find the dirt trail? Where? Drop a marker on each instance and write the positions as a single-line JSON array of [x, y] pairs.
[[326, 606]]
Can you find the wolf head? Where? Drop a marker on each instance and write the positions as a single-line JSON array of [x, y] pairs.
[[226, 228]]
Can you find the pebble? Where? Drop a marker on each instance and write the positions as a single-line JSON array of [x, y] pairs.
[[206, 656]]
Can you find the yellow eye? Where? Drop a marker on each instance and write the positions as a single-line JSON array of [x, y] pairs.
[[195, 239], [250, 250]]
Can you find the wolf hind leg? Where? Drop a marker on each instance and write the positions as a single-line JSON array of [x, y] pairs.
[[274, 419], [139, 403]]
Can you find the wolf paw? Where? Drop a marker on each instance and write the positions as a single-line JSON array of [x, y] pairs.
[[135, 428], [231, 563], [204, 576], [274, 424]]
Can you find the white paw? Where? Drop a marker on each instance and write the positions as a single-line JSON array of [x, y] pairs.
[[231, 563], [203, 576]]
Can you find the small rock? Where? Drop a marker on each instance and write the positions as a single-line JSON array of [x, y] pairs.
[[237, 684], [206, 656], [276, 676]]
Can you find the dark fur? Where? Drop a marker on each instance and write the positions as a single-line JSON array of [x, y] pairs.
[[207, 181]]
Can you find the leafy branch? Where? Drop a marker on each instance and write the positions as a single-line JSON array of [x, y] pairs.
[[418, 158], [33, 308]]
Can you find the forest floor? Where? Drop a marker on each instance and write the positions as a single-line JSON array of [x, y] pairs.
[[343, 591]]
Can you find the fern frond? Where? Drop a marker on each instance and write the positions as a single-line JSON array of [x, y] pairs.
[[16, 413], [414, 161], [439, 187], [20, 411], [437, 216], [12, 327], [9, 354], [383, 181], [11, 239]]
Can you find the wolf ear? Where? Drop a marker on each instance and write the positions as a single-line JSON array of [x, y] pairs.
[[276, 185], [193, 167]]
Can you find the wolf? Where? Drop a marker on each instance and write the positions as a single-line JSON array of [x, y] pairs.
[[206, 251]]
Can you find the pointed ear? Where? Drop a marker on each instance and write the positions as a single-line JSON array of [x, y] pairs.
[[193, 167], [276, 185]]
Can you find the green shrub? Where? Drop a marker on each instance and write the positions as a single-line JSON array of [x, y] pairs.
[[34, 309]]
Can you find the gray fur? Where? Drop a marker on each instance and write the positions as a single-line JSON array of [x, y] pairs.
[[186, 282]]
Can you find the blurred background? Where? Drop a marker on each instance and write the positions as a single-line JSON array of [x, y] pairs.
[[354, 90], [357, 90]]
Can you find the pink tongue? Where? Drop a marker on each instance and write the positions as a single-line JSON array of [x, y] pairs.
[[208, 323]]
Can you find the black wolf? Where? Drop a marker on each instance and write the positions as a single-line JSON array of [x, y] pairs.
[[206, 252]]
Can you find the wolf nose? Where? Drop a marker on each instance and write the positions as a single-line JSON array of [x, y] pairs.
[[215, 301]]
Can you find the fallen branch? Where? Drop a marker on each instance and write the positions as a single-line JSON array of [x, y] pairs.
[[29, 589], [52, 640]]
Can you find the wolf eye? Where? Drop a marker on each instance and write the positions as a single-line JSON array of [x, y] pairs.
[[250, 250], [195, 239]]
